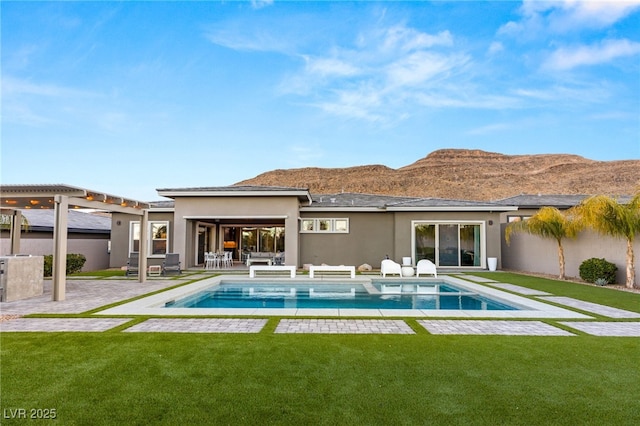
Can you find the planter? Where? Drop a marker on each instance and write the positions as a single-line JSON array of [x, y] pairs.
[[492, 263]]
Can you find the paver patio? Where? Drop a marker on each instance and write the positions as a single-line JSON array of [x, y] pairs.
[[62, 324], [595, 308], [520, 328], [199, 325], [343, 326], [611, 329]]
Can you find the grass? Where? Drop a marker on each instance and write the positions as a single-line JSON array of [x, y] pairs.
[[168, 378]]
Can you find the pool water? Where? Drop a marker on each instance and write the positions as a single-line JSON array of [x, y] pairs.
[[376, 295]]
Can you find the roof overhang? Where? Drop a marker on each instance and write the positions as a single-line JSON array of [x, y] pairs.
[[302, 194], [44, 197]]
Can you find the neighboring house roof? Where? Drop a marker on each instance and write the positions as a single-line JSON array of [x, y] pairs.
[[78, 222], [532, 201]]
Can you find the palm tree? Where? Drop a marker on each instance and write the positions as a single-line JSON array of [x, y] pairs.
[[548, 222], [607, 216]]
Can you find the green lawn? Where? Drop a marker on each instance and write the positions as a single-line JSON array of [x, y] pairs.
[[175, 379]]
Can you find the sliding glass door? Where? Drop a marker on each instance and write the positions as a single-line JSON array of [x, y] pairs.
[[449, 244]]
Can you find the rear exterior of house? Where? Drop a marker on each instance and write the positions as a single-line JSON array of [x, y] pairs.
[[345, 228]]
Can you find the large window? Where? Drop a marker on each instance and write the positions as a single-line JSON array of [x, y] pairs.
[[449, 244], [263, 239], [325, 225], [158, 238]]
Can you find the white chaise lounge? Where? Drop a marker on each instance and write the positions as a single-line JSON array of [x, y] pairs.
[[351, 270], [426, 266], [388, 266]]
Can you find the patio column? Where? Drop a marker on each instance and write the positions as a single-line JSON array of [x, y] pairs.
[[144, 244], [16, 228], [61, 205]]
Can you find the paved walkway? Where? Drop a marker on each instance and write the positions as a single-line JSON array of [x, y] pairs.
[[343, 326], [595, 308], [85, 295], [614, 329], [517, 328], [62, 324], [520, 290], [199, 325]]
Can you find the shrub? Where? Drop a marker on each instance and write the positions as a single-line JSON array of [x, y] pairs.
[[75, 262], [598, 270]]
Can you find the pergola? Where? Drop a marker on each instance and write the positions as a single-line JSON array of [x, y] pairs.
[[61, 198]]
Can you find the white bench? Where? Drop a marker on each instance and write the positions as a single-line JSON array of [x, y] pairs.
[[271, 268], [331, 268]]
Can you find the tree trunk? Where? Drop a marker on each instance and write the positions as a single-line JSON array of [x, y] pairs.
[[631, 271], [561, 260]]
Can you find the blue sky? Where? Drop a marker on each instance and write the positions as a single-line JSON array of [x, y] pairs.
[[127, 97]]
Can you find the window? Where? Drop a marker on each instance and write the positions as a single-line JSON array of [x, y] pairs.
[[517, 218], [158, 238], [325, 225]]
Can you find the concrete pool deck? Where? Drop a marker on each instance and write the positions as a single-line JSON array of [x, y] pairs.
[[86, 294]]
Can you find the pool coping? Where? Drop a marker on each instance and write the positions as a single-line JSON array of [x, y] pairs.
[[154, 305]]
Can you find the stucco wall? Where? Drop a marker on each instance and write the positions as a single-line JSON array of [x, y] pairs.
[[120, 225], [370, 238], [93, 246], [534, 254], [186, 208]]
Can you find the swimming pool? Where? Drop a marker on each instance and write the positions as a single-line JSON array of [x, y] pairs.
[[374, 295], [446, 296]]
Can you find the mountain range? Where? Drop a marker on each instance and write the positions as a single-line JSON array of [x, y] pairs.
[[468, 175]]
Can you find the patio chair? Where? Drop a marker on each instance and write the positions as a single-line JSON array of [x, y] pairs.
[[388, 266], [209, 260], [171, 263], [133, 264], [278, 259], [425, 266]]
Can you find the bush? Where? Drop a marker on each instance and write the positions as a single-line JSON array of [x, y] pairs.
[[75, 262], [594, 269]]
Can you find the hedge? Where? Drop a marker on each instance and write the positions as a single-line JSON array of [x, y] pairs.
[[75, 262]]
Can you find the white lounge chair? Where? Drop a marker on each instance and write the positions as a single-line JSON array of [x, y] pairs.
[[388, 266], [425, 266]]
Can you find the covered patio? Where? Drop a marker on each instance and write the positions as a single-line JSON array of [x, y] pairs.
[[61, 198]]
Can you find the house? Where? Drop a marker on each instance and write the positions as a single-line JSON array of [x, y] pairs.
[[344, 228], [88, 234]]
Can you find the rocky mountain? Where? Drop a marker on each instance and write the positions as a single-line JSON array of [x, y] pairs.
[[469, 175]]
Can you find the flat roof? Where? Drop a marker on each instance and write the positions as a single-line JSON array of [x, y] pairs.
[[236, 191]]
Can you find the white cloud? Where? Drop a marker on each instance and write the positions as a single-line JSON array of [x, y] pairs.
[[420, 67], [259, 4], [568, 15], [330, 67], [408, 39], [566, 58], [18, 86], [495, 47]]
